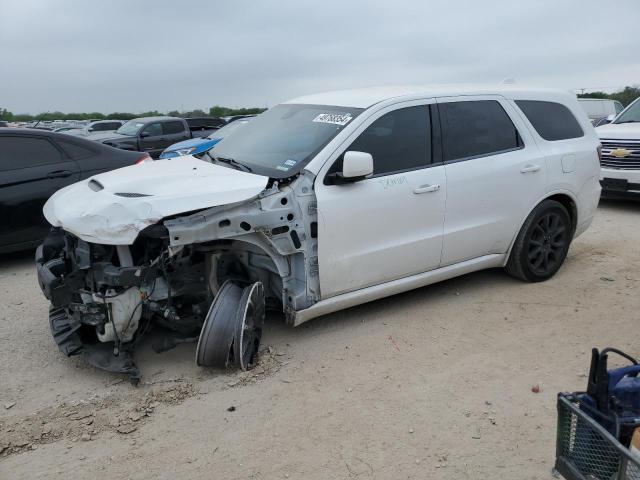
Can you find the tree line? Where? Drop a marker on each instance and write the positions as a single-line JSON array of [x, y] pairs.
[[216, 111], [624, 96]]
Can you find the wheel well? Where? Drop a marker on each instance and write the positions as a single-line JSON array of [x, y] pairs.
[[569, 204]]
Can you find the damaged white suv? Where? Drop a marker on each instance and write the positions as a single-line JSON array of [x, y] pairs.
[[319, 204]]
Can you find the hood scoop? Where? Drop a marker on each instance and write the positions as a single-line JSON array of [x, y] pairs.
[[95, 185], [132, 195]]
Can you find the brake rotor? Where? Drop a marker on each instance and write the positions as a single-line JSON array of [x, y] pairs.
[[249, 322], [218, 331]]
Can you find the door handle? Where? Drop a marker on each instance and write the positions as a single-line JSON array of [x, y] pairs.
[[530, 169], [60, 174], [426, 189]]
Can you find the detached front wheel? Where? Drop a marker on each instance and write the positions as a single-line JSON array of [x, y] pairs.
[[542, 243], [233, 327]]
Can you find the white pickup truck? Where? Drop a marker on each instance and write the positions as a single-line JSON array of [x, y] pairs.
[[319, 204], [621, 154]]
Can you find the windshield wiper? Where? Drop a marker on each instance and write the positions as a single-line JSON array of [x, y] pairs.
[[627, 121], [232, 162]]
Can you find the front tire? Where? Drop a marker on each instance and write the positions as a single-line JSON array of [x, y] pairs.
[[542, 243]]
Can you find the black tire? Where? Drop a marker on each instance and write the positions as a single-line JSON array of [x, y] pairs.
[[542, 243]]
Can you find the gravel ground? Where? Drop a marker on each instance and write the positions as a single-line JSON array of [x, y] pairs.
[[434, 383]]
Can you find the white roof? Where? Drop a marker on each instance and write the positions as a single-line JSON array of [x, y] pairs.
[[365, 97]]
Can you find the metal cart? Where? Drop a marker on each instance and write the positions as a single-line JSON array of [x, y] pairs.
[[585, 449]]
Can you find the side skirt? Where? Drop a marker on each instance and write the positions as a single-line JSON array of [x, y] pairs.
[[351, 299]]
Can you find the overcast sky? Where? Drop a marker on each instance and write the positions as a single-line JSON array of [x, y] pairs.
[[126, 55]]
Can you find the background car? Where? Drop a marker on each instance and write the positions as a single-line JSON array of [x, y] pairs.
[[620, 160], [36, 163], [154, 134], [198, 146], [599, 108], [97, 126], [65, 129]]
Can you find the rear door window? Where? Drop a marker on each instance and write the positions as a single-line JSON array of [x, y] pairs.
[[476, 128], [170, 128], [553, 121], [21, 152]]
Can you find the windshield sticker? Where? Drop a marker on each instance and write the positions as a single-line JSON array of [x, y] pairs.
[[286, 165], [335, 118]]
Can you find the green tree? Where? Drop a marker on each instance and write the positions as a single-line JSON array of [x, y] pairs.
[[6, 115], [218, 111], [624, 96], [194, 113]]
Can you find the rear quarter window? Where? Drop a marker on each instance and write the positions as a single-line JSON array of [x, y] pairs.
[[75, 151], [553, 121]]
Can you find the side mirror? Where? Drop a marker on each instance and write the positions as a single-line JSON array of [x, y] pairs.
[[144, 134], [91, 129], [357, 165], [610, 118]]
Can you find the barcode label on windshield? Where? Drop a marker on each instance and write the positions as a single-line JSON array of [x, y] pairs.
[[335, 118]]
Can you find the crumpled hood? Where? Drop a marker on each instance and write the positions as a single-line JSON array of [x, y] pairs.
[[627, 131], [113, 207]]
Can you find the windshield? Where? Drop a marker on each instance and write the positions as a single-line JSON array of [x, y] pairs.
[[227, 130], [282, 140], [131, 128], [631, 114]]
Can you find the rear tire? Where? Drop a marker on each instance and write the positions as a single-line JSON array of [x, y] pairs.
[[542, 243]]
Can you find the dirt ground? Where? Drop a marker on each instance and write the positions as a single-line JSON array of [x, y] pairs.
[[435, 383]]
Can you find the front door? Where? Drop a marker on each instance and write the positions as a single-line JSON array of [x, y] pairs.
[[152, 139], [387, 226]]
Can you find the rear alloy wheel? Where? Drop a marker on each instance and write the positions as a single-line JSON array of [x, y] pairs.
[[542, 244]]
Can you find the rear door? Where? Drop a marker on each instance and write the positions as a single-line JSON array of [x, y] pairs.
[[32, 168], [174, 131], [495, 173]]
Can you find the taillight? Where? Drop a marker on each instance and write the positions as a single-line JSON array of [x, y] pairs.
[[145, 158], [599, 150]]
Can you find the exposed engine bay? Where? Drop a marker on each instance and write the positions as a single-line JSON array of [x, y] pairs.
[[206, 275]]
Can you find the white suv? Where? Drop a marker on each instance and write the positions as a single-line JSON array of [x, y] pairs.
[[621, 154], [318, 204]]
